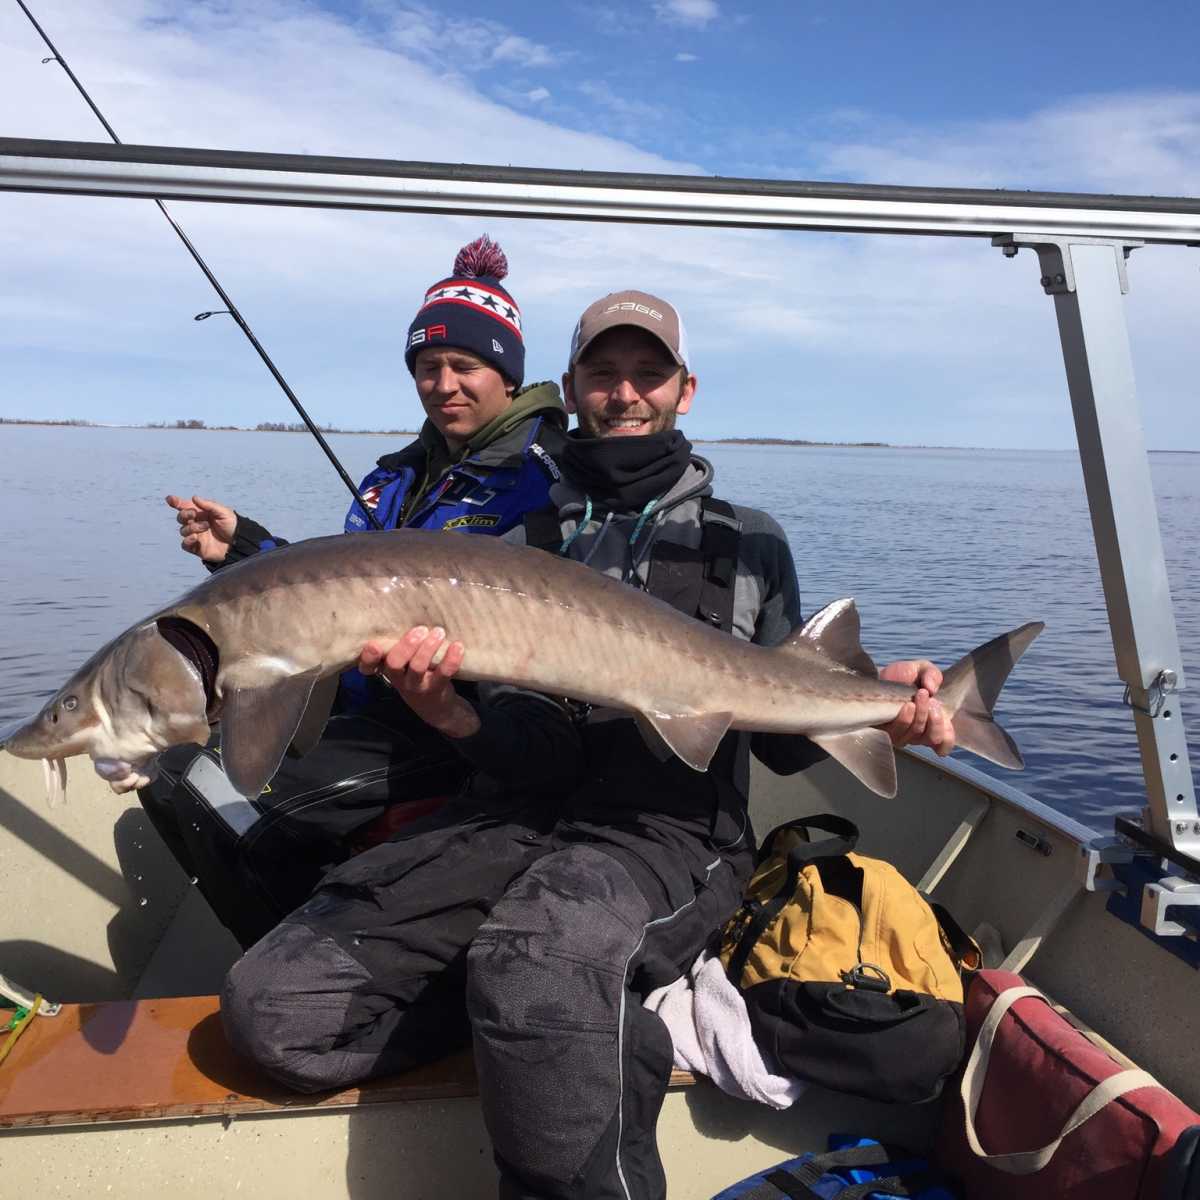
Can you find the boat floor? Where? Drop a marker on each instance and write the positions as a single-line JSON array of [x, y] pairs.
[[140, 1098]]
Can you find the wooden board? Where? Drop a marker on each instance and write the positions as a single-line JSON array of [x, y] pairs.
[[153, 1059]]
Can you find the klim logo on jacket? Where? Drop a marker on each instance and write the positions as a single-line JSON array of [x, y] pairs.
[[473, 521]]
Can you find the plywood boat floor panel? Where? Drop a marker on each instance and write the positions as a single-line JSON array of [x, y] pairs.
[[153, 1059]]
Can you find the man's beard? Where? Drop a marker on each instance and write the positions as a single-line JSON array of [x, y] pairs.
[[598, 426]]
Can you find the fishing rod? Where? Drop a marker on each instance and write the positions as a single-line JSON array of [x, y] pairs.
[[230, 308]]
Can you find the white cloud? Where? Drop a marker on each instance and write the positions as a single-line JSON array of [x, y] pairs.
[[907, 340], [627, 105], [684, 56], [474, 44], [523, 52], [537, 95], [693, 13], [1140, 143]]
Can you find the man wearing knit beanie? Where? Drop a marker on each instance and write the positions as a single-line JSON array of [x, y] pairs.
[[466, 352], [485, 455], [472, 311]]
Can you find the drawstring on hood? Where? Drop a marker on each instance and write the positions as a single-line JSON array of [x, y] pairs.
[[639, 529], [639, 525]]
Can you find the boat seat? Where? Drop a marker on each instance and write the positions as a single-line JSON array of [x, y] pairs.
[[139, 1060]]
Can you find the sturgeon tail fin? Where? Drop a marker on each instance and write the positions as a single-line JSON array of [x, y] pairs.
[[969, 690]]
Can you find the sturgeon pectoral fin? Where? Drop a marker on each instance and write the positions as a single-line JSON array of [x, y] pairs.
[[257, 723], [835, 632], [316, 715], [867, 754], [692, 737], [652, 738]]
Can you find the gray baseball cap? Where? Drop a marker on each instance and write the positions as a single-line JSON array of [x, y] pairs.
[[631, 308]]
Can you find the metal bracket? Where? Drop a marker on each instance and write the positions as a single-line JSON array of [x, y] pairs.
[[1161, 686], [1054, 256], [25, 998], [1172, 891], [1086, 277], [1126, 905], [1095, 863], [1148, 843]]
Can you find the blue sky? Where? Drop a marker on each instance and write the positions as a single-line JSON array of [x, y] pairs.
[[794, 335]]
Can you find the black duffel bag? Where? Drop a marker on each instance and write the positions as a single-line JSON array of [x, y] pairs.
[[852, 980]]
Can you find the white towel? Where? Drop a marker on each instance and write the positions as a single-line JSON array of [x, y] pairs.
[[711, 1032]]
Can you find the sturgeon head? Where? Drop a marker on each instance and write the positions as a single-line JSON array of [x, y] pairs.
[[123, 707]]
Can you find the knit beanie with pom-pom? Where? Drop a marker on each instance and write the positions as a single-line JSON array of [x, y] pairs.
[[471, 311]]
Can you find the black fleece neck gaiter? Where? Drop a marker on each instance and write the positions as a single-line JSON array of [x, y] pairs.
[[623, 474]]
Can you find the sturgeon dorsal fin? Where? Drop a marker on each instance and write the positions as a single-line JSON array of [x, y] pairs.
[[867, 754], [692, 737], [257, 723], [834, 632]]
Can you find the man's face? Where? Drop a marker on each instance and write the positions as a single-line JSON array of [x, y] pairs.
[[627, 385], [459, 392]]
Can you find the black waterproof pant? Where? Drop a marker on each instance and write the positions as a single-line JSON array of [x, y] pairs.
[[256, 860], [550, 935]]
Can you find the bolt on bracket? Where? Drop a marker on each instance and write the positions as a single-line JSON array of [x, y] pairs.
[[1054, 255], [1161, 686]]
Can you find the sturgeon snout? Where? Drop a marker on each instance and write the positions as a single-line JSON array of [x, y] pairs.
[[126, 705]]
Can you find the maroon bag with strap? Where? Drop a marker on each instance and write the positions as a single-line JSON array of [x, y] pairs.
[[1043, 1113]]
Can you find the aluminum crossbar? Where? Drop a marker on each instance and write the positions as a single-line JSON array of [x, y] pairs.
[[166, 173]]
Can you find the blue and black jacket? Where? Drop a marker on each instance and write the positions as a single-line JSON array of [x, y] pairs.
[[488, 490]]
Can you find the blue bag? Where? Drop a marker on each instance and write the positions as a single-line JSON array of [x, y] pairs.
[[853, 1169]]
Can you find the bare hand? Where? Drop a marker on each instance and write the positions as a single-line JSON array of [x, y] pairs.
[[420, 666], [206, 528], [922, 721]]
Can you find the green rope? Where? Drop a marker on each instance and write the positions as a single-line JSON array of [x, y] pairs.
[[15, 1019]]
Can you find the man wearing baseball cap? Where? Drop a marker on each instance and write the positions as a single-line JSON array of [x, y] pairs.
[[612, 862]]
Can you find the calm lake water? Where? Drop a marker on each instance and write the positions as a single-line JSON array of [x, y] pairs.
[[942, 549]]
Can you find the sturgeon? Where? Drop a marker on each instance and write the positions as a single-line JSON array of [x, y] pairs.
[[258, 646]]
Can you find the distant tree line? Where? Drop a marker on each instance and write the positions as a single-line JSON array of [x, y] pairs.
[[771, 441], [292, 427], [31, 421], [197, 423], [300, 427]]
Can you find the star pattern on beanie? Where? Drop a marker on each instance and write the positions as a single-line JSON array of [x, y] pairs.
[[480, 297]]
